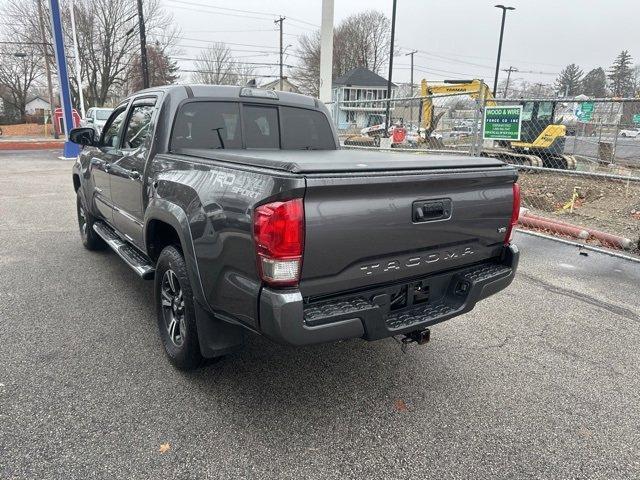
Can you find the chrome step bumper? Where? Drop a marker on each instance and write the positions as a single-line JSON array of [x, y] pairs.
[[141, 264]]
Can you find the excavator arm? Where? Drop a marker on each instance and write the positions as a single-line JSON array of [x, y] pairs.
[[473, 88]]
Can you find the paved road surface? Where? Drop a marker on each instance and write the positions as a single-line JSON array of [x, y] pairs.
[[540, 381]]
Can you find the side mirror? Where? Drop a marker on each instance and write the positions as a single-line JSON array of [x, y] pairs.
[[85, 136]]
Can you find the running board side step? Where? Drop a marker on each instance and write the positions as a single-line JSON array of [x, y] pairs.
[[140, 264]]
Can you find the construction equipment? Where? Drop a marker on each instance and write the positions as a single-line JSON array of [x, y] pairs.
[[542, 140]]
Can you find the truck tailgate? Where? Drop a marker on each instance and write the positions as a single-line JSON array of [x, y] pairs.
[[374, 228]]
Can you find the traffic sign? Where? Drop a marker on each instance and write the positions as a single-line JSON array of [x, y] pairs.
[[502, 123], [584, 111], [636, 118]]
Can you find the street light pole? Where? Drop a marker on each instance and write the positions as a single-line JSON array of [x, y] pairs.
[[393, 34], [504, 15]]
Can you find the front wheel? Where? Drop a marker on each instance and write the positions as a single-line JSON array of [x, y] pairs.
[[175, 310], [90, 239]]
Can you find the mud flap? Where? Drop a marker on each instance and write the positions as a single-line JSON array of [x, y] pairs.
[[217, 337]]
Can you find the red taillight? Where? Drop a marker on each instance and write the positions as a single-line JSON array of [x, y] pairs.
[[278, 230], [515, 214]]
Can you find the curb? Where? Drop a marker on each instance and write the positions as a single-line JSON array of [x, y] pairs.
[[30, 145]]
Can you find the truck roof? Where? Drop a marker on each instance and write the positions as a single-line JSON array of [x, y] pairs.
[[227, 92]]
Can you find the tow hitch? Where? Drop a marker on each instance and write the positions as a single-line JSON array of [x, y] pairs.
[[421, 337]]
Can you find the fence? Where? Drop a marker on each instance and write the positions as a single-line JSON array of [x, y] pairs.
[[594, 131], [432, 123], [580, 181]]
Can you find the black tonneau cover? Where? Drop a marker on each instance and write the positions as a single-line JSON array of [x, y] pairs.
[[341, 161]]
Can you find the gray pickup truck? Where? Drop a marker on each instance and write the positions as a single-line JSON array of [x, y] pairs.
[[241, 206]]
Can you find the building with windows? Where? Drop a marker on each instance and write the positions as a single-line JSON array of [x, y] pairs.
[[287, 86], [37, 106], [362, 87]]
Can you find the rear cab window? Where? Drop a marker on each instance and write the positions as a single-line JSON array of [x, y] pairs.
[[236, 125]]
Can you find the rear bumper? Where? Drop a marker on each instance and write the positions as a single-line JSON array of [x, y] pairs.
[[285, 318]]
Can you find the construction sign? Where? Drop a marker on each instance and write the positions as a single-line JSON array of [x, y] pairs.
[[502, 123]]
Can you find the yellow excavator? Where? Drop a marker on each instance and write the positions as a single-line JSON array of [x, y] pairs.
[[542, 140]]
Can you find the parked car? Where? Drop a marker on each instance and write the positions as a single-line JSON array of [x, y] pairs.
[[629, 132], [96, 117], [241, 207]]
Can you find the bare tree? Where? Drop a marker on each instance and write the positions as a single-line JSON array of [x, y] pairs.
[[361, 40], [216, 65], [107, 37], [19, 72]]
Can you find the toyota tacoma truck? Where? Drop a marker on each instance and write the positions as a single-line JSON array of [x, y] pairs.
[[242, 208]]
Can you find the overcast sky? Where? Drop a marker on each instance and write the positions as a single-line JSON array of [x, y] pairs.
[[456, 38]]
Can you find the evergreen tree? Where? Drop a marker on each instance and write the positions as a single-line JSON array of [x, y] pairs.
[[594, 83], [621, 75], [569, 82]]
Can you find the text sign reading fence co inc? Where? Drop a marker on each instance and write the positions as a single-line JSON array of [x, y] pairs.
[[502, 123]]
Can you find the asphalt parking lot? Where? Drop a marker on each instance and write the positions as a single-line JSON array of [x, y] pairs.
[[540, 381]]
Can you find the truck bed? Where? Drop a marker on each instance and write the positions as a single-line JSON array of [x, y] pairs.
[[342, 161]]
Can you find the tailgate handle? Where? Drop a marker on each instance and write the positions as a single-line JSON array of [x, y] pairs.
[[430, 210]]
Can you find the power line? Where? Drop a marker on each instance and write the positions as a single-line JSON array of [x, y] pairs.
[[254, 12], [271, 64]]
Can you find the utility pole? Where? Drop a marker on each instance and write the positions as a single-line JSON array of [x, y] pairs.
[[509, 71], [504, 15], [143, 47], [47, 66], [280, 21], [393, 35], [326, 51], [411, 54], [77, 59]]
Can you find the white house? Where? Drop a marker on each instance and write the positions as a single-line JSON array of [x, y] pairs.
[[37, 106], [360, 84], [287, 86]]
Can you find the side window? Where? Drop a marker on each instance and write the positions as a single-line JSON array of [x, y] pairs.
[[260, 126], [545, 110], [527, 111], [209, 125], [111, 132], [139, 126], [304, 129]]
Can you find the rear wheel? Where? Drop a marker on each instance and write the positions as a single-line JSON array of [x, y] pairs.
[[175, 310], [90, 239]]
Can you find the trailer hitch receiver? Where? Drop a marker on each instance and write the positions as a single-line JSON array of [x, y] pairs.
[[421, 337]]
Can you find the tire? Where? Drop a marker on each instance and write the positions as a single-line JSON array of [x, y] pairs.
[[90, 239], [175, 310]]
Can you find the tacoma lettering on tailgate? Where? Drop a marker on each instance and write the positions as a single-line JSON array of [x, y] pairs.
[[415, 261]]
